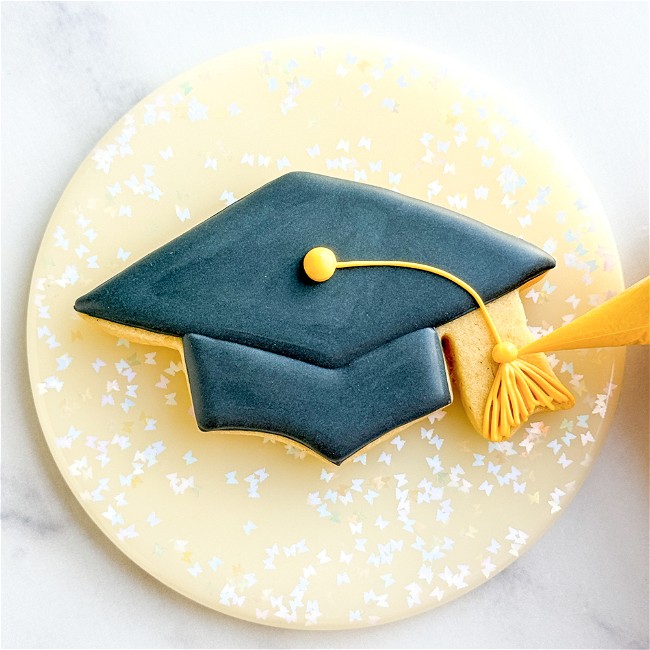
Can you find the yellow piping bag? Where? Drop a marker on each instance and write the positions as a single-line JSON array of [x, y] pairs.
[[622, 320]]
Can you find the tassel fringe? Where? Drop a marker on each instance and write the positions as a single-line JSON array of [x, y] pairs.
[[519, 389]]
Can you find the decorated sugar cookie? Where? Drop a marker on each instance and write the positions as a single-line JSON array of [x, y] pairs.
[[273, 343]]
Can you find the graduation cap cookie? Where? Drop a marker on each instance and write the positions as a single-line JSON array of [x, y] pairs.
[[329, 312]]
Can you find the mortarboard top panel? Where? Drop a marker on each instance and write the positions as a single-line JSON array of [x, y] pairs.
[[237, 276]]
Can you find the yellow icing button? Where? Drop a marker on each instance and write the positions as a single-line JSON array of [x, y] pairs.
[[504, 352], [320, 264]]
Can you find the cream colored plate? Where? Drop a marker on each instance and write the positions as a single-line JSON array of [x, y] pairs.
[[251, 527]]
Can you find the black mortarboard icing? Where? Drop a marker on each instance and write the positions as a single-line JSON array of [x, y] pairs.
[[335, 365]]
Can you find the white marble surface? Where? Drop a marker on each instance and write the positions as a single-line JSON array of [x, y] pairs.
[[69, 71]]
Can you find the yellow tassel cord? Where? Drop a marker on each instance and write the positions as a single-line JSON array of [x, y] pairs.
[[519, 387]]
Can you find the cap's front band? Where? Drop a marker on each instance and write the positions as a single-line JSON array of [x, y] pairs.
[[519, 387]]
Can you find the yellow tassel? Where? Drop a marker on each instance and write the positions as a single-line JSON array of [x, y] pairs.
[[519, 389]]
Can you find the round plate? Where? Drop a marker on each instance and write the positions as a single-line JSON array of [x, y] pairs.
[[250, 526]]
